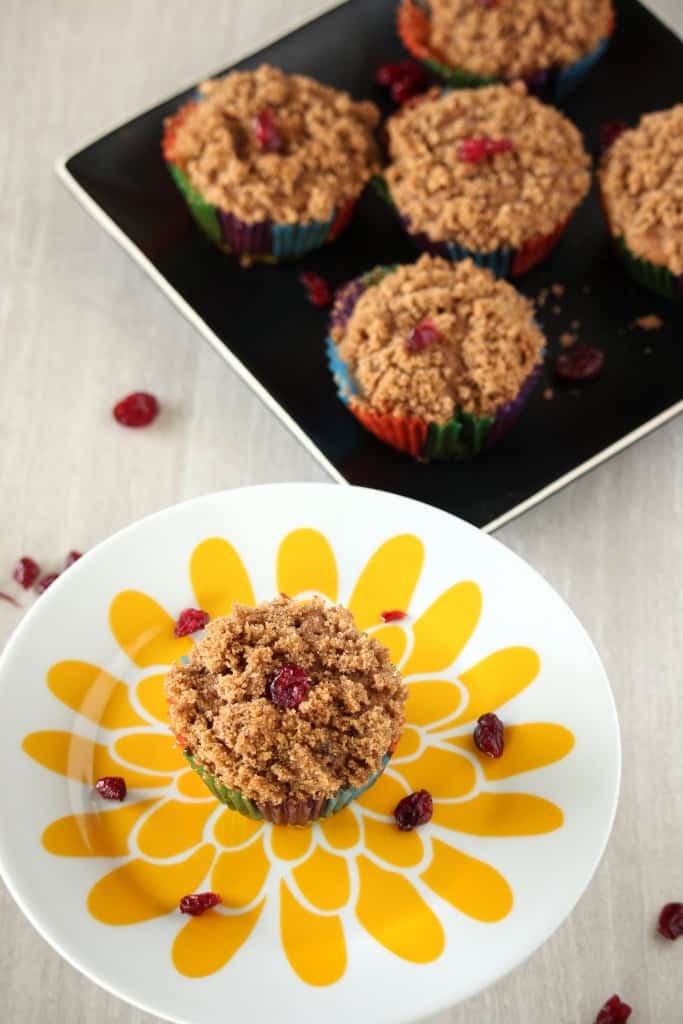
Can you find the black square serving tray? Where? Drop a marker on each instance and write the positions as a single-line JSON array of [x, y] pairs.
[[260, 321]]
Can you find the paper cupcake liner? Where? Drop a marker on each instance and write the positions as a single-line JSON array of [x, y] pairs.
[[554, 84], [657, 278], [289, 812]]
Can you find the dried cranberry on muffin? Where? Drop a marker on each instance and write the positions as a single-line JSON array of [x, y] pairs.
[[435, 358], [271, 165], [551, 44], [641, 182], [286, 710], [490, 173]]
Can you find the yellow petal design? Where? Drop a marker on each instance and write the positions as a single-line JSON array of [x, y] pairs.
[[388, 580], [239, 875], [152, 697], [191, 785], [469, 885], [408, 745], [103, 834], [446, 775], [444, 629], [155, 751], [500, 814], [324, 880], [219, 578], [290, 843], [341, 830], [314, 945], [391, 909], [529, 746], [139, 891], [173, 828], [431, 700], [306, 561], [94, 693], [81, 759], [208, 942], [233, 829], [402, 849], [495, 680], [383, 796], [145, 631], [394, 639]]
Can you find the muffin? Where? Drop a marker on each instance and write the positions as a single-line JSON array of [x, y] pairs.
[[286, 710], [434, 358], [641, 184], [271, 165], [550, 44], [489, 173]]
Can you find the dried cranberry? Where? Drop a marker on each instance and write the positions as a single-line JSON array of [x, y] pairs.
[[266, 131], [613, 1012], [422, 336], [46, 582], [289, 686], [198, 902], [9, 599], [580, 362], [72, 557], [393, 616], [610, 132], [111, 787], [413, 810], [488, 735], [475, 150], [489, 3], [190, 620], [403, 78], [26, 572], [319, 291], [138, 409], [671, 921]]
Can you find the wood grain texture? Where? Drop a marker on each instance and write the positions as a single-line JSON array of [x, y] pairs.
[[80, 325]]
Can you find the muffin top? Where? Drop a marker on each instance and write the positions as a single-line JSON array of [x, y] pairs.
[[482, 341], [641, 177], [535, 176], [515, 38], [262, 144], [222, 710]]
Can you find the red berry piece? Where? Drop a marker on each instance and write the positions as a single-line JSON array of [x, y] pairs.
[[46, 582], [413, 810], [266, 131], [671, 921], [198, 902], [613, 1012], [476, 150], [387, 74], [111, 787], [403, 78], [190, 620], [490, 4], [489, 735], [26, 572], [422, 336], [9, 599], [319, 291], [72, 557], [580, 362], [138, 409], [393, 616], [610, 132], [288, 687]]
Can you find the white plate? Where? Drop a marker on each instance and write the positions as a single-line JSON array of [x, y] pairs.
[[352, 918]]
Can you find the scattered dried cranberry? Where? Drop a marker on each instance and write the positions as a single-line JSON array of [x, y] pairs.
[[413, 810], [610, 132], [393, 616], [72, 557], [319, 291], [111, 787], [671, 921], [580, 362], [190, 620], [613, 1012], [26, 572], [289, 686], [9, 599], [198, 902], [403, 78], [474, 151], [488, 735], [138, 409], [266, 131], [46, 582], [422, 336], [489, 3]]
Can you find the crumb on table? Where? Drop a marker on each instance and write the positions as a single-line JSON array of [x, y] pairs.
[[567, 339], [650, 322]]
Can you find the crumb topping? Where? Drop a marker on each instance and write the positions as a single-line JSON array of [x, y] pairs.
[[336, 737], [515, 38], [641, 177], [325, 150], [512, 197], [489, 343]]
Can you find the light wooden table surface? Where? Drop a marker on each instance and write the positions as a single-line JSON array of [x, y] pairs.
[[80, 325]]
